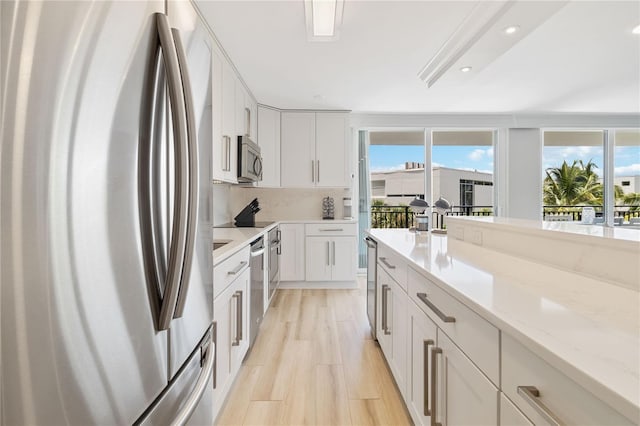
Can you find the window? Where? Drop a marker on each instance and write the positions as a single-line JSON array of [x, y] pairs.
[[462, 170], [572, 174], [575, 165], [626, 178]]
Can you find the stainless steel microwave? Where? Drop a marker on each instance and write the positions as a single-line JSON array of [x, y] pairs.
[[249, 160]]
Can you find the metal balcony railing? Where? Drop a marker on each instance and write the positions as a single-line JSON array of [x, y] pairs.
[[623, 213], [403, 217]]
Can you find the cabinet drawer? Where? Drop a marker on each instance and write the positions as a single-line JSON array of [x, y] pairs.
[[563, 398], [229, 270], [330, 229], [394, 264], [477, 338]]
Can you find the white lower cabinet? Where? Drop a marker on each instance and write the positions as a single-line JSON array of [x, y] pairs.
[[462, 395], [545, 394], [231, 320], [292, 252], [330, 251], [393, 330], [455, 367], [510, 415], [423, 339], [444, 383]]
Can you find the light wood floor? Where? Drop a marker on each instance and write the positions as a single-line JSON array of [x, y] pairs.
[[314, 363]]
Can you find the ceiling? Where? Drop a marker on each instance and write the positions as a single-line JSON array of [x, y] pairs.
[[577, 56]]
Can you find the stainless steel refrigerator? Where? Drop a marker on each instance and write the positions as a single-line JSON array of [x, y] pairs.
[[106, 213]]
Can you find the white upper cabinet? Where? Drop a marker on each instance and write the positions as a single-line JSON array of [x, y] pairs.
[[225, 145], [331, 149], [269, 141], [297, 146], [314, 150]]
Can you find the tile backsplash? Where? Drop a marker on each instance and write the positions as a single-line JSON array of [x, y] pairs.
[[221, 211], [284, 204]]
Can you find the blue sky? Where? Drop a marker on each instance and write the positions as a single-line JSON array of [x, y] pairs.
[[393, 157], [388, 157]]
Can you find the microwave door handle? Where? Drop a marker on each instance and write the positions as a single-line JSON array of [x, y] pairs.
[[177, 246], [257, 167], [192, 201]]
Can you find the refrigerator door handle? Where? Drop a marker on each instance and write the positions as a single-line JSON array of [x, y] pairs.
[[198, 390], [192, 202], [179, 227]]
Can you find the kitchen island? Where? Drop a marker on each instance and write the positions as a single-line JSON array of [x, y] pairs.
[[582, 328]]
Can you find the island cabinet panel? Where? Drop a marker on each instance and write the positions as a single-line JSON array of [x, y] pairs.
[[463, 395], [477, 338], [510, 415], [543, 393]]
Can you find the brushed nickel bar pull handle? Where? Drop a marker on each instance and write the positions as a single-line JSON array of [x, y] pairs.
[[229, 152], [385, 312], [192, 176], [247, 123], [434, 308], [387, 264], [331, 229], [384, 308], [240, 330], [237, 268], [434, 384], [313, 171], [425, 379], [531, 395], [215, 353], [328, 255], [318, 169], [333, 246], [236, 340], [178, 242]]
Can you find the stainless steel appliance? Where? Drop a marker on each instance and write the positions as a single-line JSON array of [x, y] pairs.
[[256, 296], [372, 282], [274, 262], [249, 160], [105, 213]]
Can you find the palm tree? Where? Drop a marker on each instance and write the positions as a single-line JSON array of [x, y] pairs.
[[576, 184], [570, 185]]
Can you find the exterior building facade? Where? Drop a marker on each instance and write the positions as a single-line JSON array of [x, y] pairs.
[[459, 187]]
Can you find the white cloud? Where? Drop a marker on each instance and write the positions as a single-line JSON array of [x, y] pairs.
[[479, 154], [476, 154], [387, 169], [630, 170]]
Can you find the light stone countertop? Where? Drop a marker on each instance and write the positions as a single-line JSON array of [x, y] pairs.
[[586, 328], [568, 230], [238, 238], [241, 237]]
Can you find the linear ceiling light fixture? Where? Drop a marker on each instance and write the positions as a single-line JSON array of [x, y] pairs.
[[323, 19], [483, 16]]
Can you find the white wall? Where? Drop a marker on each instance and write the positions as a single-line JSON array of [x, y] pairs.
[[524, 174]]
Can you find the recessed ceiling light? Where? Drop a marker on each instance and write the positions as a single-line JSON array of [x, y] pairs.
[[636, 30], [323, 19], [465, 69], [512, 29]]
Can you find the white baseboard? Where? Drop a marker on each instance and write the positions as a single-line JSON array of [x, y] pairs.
[[318, 285]]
